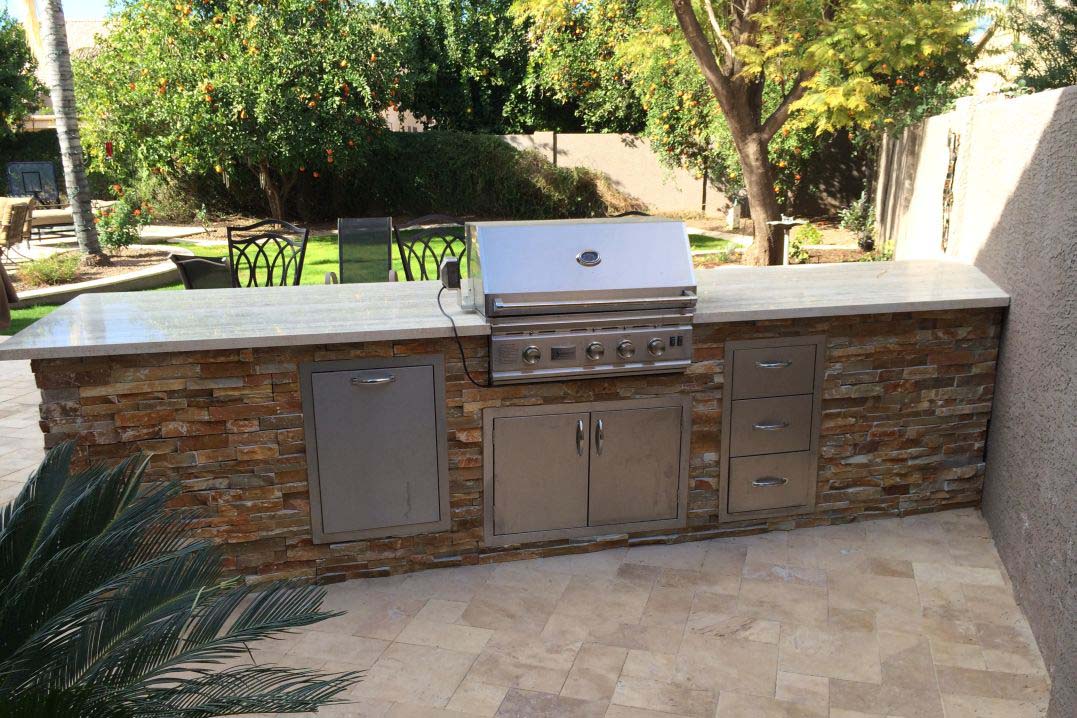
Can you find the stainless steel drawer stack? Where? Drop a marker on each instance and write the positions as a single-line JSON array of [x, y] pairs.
[[770, 427]]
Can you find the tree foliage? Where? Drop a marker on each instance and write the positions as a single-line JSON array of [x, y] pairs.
[[279, 88], [465, 61], [575, 59], [19, 88], [747, 87], [109, 607], [1046, 44]]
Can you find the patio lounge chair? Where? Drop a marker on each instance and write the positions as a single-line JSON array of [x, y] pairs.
[[15, 218], [52, 217]]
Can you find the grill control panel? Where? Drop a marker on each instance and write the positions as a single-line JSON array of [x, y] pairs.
[[518, 356]]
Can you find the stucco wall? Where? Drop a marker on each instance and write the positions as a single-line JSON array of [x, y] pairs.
[[634, 168], [1015, 217]]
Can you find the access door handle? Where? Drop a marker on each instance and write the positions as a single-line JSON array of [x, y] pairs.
[[770, 481], [773, 364], [600, 436], [771, 426], [373, 380], [579, 437]]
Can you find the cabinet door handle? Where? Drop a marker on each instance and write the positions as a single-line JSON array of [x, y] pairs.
[[373, 380], [600, 435], [579, 437], [771, 426], [773, 364], [766, 481]]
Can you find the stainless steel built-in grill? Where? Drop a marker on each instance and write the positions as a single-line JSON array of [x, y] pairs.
[[580, 298]]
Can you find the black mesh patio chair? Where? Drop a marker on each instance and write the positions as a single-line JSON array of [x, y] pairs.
[[266, 254], [424, 242], [365, 247], [202, 272], [33, 179]]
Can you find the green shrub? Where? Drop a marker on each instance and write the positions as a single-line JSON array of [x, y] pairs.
[[808, 233], [49, 271], [407, 174], [859, 216], [118, 224]]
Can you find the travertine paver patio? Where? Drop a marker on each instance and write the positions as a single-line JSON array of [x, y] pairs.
[[21, 443], [898, 617]]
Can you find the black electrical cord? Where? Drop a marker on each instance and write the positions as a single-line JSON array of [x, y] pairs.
[[459, 344]]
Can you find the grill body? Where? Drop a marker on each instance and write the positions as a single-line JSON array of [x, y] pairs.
[[581, 298]]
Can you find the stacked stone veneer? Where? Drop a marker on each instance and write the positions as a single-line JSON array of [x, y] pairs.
[[906, 404]]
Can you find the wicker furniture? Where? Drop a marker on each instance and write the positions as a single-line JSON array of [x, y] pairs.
[[15, 217]]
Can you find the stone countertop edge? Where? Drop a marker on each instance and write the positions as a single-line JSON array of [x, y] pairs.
[[148, 322]]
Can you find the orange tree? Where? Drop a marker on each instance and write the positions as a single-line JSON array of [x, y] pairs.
[[746, 82], [279, 88]]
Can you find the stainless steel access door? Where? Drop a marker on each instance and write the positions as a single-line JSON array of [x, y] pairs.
[[635, 465], [540, 472], [377, 448]]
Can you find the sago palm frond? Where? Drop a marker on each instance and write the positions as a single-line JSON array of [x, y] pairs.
[[108, 607]]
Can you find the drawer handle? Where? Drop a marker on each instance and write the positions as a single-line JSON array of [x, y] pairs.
[[579, 437], [776, 426], [600, 436], [373, 381], [774, 364], [770, 481]]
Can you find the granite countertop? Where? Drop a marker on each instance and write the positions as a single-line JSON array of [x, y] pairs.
[[135, 322]]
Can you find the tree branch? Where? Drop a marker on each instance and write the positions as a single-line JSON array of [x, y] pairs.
[[720, 35], [781, 114], [718, 81]]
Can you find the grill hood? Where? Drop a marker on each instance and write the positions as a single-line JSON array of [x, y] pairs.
[[590, 265]]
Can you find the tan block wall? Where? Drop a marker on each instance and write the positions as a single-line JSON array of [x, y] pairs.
[[631, 165], [906, 402]]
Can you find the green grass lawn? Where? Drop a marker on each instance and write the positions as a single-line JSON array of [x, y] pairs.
[[703, 243], [321, 257]]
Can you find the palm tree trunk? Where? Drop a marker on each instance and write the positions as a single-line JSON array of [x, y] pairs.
[[56, 62]]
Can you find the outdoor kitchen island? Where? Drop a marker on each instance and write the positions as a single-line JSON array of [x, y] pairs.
[[223, 389]]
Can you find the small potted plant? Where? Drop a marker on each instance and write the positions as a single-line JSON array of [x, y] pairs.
[[859, 218]]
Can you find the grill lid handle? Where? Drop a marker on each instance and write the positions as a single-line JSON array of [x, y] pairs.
[[687, 298]]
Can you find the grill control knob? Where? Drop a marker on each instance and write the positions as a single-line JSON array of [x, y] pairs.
[[595, 351], [532, 355], [626, 349], [656, 347]]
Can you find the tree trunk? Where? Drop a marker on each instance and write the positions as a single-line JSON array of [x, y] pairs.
[[741, 102], [768, 243], [57, 66], [274, 194]]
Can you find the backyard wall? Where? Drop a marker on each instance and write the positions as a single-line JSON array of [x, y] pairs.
[[634, 168], [1014, 215]]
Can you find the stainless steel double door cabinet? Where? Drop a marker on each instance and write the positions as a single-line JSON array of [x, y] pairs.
[[376, 447], [581, 469]]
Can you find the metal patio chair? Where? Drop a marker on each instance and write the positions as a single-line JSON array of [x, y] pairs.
[[202, 272], [424, 242], [365, 250], [268, 253]]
